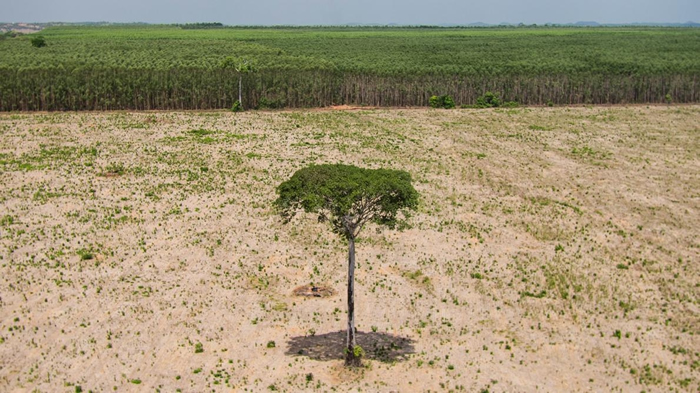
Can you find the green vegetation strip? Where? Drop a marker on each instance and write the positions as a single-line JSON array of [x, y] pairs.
[[169, 67]]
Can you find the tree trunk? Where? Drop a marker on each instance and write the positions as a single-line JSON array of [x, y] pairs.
[[240, 89], [350, 358]]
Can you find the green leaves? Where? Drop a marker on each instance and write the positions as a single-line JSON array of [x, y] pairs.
[[241, 66], [348, 196], [443, 101]]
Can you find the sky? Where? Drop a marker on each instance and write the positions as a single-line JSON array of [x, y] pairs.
[[334, 12]]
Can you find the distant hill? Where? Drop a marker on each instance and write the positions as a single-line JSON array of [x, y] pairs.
[[587, 23]]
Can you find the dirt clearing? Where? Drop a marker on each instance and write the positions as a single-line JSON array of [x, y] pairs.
[[555, 250]]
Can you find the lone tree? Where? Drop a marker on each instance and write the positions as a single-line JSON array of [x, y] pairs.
[[241, 67], [348, 197]]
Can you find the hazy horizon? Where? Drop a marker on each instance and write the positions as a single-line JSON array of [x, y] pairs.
[[337, 12]]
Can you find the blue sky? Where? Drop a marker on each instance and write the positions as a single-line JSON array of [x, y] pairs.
[[309, 12]]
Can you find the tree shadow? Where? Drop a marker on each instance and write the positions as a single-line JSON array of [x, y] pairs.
[[331, 346]]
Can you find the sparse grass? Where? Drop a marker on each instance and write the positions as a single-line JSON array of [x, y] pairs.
[[534, 223]]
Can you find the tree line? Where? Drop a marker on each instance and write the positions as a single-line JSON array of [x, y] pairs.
[[166, 67]]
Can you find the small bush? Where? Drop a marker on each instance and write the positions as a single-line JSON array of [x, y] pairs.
[[444, 101], [358, 351], [237, 107], [434, 102], [38, 41], [85, 254], [448, 102], [488, 100]]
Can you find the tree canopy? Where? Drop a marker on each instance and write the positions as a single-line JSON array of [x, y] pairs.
[[348, 196]]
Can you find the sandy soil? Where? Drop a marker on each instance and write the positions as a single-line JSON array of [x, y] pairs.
[[555, 250]]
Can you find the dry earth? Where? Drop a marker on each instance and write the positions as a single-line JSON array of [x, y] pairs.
[[555, 250]]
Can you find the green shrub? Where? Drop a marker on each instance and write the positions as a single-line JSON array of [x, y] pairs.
[[237, 107], [488, 100], [358, 351], [85, 254], [38, 41], [448, 102], [444, 101]]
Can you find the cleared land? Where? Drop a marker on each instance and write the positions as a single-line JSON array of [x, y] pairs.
[[167, 67], [555, 250]]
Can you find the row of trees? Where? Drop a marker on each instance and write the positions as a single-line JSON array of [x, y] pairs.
[[166, 67], [146, 89]]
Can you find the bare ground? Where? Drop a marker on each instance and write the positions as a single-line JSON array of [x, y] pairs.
[[556, 249]]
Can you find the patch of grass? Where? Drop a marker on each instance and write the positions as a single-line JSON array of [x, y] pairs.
[[85, 254], [114, 168], [200, 132], [589, 152], [539, 295], [7, 220]]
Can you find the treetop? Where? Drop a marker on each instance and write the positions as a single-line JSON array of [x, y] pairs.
[[242, 66], [348, 196]]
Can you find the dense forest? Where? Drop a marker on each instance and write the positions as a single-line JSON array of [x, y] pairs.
[[180, 67]]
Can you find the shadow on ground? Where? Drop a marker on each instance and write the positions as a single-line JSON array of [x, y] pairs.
[[331, 346]]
